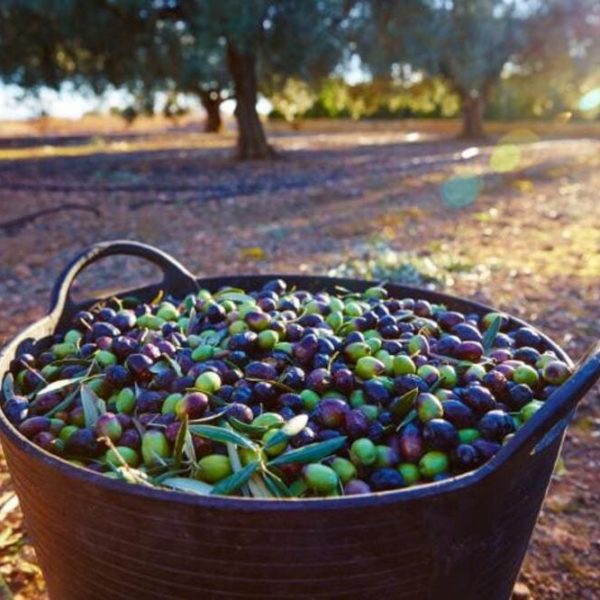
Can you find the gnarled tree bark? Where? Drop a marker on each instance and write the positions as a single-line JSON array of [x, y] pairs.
[[211, 102], [252, 142], [472, 108]]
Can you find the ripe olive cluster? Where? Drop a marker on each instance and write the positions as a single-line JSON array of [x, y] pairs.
[[280, 392]]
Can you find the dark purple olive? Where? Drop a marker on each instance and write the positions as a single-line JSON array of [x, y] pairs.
[[83, 319], [447, 345], [246, 342], [469, 350], [458, 413], [139, 365], [406, 383], [34, 425], [240, 411], [306, 348], [331, 412], [124, 320], [275, 285], [411, 445], [386, 479], [123, 346], [439, 434], [343, 380], [449, 319], [293, 401], [467, 333], [261, 370], [392, 346], [16, 409], [479, 398], [319, 380], [356, 487], [82, 443], [527, 355], [486, 448], [117, 376], [293, 377], [375, 431], [47, 441], [32, 379], [242, 394], [495, 425], [356, 423], [525, 336], [327, 434], [466, 457], [518, 396], [497, 383], [306, 436], [180, 384], [102, 329], [47, 402], [193, 405], [131, 438], [265, 393], [149, 401], [376, 391], [152, 351]]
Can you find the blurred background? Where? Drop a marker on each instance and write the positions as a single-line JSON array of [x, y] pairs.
[[452, 144]]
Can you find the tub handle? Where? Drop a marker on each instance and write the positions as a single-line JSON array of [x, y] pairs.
[[548, 423], [175, 276]]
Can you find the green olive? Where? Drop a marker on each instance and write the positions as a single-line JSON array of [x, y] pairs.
[[344, 468], [208, 382], [320, 478], [433, 463], [213, 468], [363, 452]]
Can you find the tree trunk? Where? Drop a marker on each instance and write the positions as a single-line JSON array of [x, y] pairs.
[[472, 107], [252, 142], [211, 102]]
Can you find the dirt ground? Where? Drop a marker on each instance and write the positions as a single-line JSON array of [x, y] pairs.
[[513, 222]]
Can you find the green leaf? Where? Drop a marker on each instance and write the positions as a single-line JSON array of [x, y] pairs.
[[248, 427], [173, 364], [8, 387], [212, 338], [489, 337], [289, 430], [91, 405], [235, 481], [63, 404], [218, 434], [411, 416], [60, 384], [275, 485], [180, 441], [310, 453], [191, 321], [183, 484], [159, 367], [402, 405], [234, 296]]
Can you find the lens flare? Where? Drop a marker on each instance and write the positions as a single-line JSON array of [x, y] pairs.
[[590, 101], [461, 190], [505, 158]]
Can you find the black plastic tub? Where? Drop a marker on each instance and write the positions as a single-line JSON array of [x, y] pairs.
[[462, 538]]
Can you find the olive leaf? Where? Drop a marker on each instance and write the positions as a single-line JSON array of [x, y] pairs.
[[210, 337], [60, 384], [218, 434], [402, 405], [63, 404], [173, 364], [180, 441], [234, 297], [158, 298], [275, 485], [411, 416], [92, 406], [309, 453], [289, 430], [184, 484], [8, 387], [248, 427], [235, 481], [489, 337], [191, 321], [159, 367]]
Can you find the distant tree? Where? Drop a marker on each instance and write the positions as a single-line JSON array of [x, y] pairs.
[[467, 42], [265, 43]]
